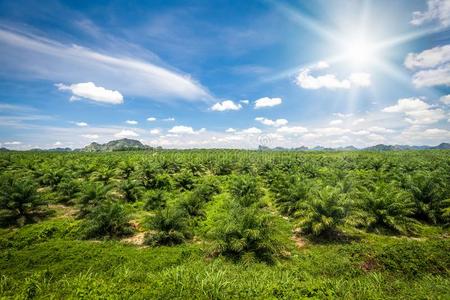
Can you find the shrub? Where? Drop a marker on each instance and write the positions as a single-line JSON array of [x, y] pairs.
[[170, 228], [68, 188], [110, 219], [323, 212], [289, 192], [185, 181]]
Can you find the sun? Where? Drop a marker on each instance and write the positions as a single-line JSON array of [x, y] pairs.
[[359, 51]]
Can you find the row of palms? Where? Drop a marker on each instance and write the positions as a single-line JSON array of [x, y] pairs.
[[390, 192]]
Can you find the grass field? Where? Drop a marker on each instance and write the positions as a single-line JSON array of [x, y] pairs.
[[225, 224]]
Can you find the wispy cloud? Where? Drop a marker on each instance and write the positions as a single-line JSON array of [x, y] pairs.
[[58, 62]]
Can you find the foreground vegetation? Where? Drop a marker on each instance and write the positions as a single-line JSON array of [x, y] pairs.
[[224, 224]]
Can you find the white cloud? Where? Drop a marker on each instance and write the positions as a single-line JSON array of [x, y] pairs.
[[180, 129], [58, 143], [90, 136], [267, 102], [432, 77], [89, 91], [361, 132], [81, 124], [226, 105], [126, 133], [131, 122], [292, 130], [336, 122], [169, 119], [230, 130], [341, 115], [245, 102], [307, 81], [56, 61], [429, 58], [268, 122], [251, 130], [437, 10], [151, 119], [416, 111], [331, 131], [436, 65], [358, 121], [155, 131], [13, 143], [377, 129], [445, 99]]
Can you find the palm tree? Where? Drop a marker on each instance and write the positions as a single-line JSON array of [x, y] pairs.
[[130, 190], [245, 190], [19, 197], [385, 206], [90, 195], [171, 228], [109, 219], [323, 212]]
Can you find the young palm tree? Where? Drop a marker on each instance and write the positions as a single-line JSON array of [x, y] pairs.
[[246, 230], [130, 190], [245, 190], [170, 226], [90, 195], [109, 219], [19, 198], [385, 206], [323, 212]]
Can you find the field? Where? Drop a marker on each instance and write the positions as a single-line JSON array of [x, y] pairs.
[[225, 224]]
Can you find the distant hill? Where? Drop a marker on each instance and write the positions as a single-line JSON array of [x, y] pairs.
[[379, 147], [116, 145]]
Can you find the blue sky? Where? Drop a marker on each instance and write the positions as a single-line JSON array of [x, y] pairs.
[[229, 74]]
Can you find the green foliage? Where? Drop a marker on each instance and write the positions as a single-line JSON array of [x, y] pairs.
[[245, 190], [324, 211], [130, 190], [109, 219], [68, 188], [289, 191], [154, 199], [19, 199], [169, 227], [385, 206], [90, 195]]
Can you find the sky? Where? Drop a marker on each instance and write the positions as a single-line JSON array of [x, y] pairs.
[[224, 74]]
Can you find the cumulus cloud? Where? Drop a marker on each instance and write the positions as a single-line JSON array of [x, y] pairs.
[[435, 65], [180, 129], [416, 111], [13, 143], [267, 102], [151, 119], [131, 122], [445, 99], [169, 119], [155, 131], [428, 58], [90, 136], [437, 10], [275, 123], [251, 130], [71, 63], [330, 81], [378, 129], [81, 124], [126, 133], [331, 131], [245, 102], [336, 122], [89, 91], [358, 121], [292, 130], [226, 105], [230, 130], [58, 143]]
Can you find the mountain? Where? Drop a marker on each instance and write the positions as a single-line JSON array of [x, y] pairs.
[[379, 147], [442, 146], [116, 145]]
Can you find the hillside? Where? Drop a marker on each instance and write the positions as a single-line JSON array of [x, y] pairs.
[[116, 145]]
